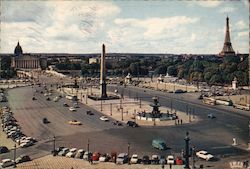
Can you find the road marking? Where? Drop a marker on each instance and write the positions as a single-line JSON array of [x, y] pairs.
[[221, 147]]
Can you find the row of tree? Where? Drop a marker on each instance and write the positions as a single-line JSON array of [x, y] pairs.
[[221, 71]]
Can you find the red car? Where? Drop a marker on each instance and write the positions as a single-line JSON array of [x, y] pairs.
[[179, 161], [95, 156]]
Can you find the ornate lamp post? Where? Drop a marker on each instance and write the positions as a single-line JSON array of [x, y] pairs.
[[14, 156], [128, 153], [186, 155], [54, 145]]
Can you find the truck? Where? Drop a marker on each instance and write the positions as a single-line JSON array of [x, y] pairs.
[[159, 144], [242, 107], [70, 97], [208, 100]]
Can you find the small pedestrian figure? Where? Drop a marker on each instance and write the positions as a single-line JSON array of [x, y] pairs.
[[178, 121], [181, 121]]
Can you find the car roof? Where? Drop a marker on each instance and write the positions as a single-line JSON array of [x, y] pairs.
[[122, 154], [203, 151], [5, 160]]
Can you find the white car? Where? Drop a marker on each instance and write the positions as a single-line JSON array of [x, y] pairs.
[[6, 163], [104, 118], [170, 159], [72, 109], [134, 159], [204, 155], [71, 153]]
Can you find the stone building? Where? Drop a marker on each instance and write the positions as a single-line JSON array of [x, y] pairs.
[[26, 61]]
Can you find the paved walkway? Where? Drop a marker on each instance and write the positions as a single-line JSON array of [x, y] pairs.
[[129, 108], [50, 162]]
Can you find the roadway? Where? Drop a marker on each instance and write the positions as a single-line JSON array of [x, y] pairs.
[[214, 135]]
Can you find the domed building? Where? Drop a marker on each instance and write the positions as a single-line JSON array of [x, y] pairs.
[[25, 61], [18, 50]]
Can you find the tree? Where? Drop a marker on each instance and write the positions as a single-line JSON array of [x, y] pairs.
[[172, 71], [162, 69], [216, 79]]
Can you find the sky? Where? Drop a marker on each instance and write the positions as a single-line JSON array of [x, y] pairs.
[[177, 27]]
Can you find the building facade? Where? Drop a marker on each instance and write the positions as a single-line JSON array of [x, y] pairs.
[[26, 61]]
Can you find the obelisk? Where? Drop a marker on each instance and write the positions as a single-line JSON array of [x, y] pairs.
[[103, 90]]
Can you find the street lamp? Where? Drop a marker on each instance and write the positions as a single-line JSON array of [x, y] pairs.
[[88, 146], [193, 154], [122, 113], [249, 135], [128, 153], [14, 156], [187, 139], [110, 109], [54, 145]]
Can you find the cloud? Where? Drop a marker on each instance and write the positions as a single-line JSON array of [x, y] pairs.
[[207, 4], [155, 27], [241, 25], [47, 26], [244, 34], [227, 10]]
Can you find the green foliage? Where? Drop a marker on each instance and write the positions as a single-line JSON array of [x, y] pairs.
[[172, 71]]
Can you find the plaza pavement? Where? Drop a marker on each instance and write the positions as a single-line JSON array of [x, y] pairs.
[[129, 108]]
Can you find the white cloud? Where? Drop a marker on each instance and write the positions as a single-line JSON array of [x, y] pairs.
[[241, 25], [48, 26], [155, 27], [245, 33], [227, 10], [207, 4]]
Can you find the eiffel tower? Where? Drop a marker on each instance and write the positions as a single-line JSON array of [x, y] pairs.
[[227, 48]]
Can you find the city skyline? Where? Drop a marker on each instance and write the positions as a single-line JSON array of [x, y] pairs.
[[125, 27]]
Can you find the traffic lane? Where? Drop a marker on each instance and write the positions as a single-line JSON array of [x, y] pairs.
[[237, 121], [30, 114], [184, 97]]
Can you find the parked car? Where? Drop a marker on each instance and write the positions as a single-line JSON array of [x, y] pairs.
[[22, 158], [204, 155], [3, 149], [88, 112], [27, 143], [104, 118], [132, 124], [79, 154], [162, 160], [145, 160], [104, 158], [170, 159], [159, 144], [134, 159], [6, 163], [96, 156], [155, 159], [75, 122], [63, 152], [87, 155], [179, 161], [122, 158], [57, 150], [71, 153]]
